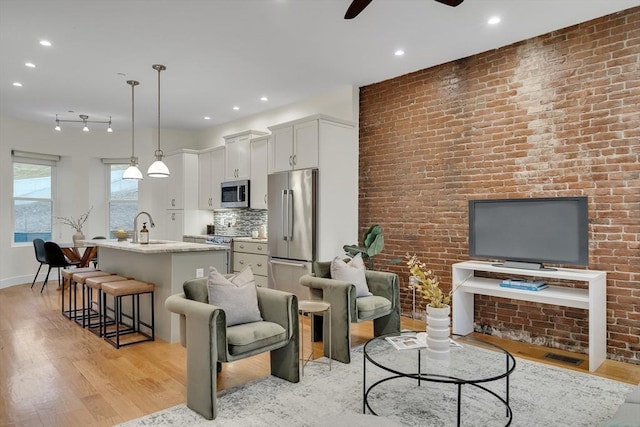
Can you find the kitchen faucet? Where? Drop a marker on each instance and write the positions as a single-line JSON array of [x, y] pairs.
[[135, 225]]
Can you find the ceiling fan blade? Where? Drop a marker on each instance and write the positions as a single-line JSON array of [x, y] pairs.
[[452, 3], [355, 8]]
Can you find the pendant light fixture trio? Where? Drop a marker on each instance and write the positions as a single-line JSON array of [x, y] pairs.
[[132, 172], [158, 169]]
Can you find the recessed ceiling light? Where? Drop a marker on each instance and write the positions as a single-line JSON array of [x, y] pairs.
[[207, 118], [264, 98], [494, 20], [45, 42], [399, 52], [18, 84], [30, 64], [236, 108]]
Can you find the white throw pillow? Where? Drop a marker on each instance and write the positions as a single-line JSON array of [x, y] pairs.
[[237, 296], [352, 272]]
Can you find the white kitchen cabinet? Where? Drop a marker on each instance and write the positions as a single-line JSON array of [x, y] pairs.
[[294, 146], [237, 156], [254, 254], [211, 172], [175, 224], [183, 180], [259, 171]]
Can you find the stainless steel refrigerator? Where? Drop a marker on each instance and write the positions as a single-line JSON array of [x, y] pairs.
[[292, 228]]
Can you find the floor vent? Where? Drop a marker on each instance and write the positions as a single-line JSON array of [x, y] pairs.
[[564, 359]]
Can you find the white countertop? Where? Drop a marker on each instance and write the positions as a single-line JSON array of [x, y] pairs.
[[157, 246]]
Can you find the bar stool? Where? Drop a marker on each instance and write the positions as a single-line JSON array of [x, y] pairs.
[[313, 308], [95, 283], [118, 290], [67, 275], [87, 312]]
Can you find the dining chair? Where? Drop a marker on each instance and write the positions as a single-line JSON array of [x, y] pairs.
[[38, 246], [55, 258]]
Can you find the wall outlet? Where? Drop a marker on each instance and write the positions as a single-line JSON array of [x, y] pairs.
[[199, 272]]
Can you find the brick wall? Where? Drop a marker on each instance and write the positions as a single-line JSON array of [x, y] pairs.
[[556, 115]]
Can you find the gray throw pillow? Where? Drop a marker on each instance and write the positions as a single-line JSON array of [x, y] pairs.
[[237, 296], [352, 272]]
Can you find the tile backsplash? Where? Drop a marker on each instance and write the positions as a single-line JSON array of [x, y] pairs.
[[239, 221]]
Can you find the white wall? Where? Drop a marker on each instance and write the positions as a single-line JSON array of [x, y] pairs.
[[82, 178], [342, 103]]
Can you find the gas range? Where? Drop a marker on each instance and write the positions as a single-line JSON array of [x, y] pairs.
[[221, 239]]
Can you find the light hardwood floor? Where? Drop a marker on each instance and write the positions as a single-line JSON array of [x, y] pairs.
[[54, 373]]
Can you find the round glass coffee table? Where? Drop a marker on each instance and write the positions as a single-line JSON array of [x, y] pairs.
[[471, 362]]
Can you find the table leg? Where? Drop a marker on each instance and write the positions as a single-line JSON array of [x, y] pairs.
[[459, 403]]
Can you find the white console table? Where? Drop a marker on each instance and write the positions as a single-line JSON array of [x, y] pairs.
[[593, 299]]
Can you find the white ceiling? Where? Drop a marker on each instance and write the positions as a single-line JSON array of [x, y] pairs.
[[221, 53]]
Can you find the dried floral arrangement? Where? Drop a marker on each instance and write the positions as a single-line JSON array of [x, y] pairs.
[[74, 223], [427, 283]]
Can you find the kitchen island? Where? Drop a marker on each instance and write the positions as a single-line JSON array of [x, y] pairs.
[[167, 264]]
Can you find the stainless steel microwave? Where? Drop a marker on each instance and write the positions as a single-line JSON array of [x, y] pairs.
[[235, 194]]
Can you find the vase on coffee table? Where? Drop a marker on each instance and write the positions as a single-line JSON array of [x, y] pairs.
[[438, 321]]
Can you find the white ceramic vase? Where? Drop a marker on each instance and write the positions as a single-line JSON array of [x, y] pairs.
[[77, 237], [438, 332]]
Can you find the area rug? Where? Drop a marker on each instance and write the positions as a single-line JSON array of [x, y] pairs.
[[540, 395]]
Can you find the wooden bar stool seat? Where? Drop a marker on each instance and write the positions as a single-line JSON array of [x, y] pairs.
[[67, 278], [86, 311], [95, 283], [143, 331]]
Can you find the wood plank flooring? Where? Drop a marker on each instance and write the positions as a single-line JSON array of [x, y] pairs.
[[54, 373]]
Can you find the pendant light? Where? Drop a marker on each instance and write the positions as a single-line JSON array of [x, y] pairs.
[[158, 169], [132, 171]]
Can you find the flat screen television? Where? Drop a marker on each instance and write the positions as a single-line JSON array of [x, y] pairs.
[[526, 233]]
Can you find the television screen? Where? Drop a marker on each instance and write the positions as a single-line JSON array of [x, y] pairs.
[[534, 230]]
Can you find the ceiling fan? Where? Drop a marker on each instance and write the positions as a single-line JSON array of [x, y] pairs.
[[358, 6]]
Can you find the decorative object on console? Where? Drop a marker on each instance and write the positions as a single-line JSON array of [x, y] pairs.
[[132, 172], [76, 224], [158, 169]]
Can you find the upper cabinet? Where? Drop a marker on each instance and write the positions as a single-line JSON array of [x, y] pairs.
[[294, 146], [259, 162], [237, 156], [211, 172], [183, 178]]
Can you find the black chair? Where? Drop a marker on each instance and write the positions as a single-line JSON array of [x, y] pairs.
[[94, 260], [38, 245], [55, 258]]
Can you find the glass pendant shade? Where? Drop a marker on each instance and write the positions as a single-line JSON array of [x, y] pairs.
[[158, 169], [132, 172]]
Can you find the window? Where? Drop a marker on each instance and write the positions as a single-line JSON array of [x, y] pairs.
[[32, 200], [123, 199]]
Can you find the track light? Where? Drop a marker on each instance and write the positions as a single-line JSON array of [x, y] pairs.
[[84, 119]]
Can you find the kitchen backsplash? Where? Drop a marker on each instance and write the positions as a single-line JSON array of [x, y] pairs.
[[239, 221]]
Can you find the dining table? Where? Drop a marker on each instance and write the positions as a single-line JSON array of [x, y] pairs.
[[82, 253]]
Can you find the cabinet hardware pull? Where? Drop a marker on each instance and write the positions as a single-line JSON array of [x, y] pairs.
[[295, 159]]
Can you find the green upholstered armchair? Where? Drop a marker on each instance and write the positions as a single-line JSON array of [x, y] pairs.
[[383, 307], [204, 332]]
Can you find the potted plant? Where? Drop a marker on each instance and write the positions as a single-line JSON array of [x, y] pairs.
[[438, 309], [373, 243]]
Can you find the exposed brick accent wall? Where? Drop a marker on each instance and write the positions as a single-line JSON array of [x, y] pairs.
[[556, 115]]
